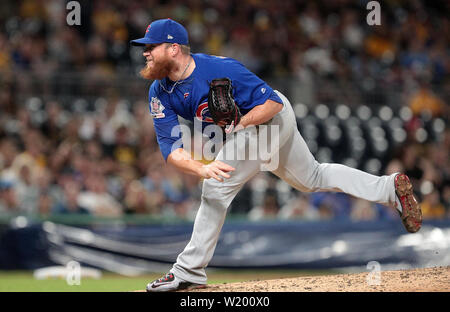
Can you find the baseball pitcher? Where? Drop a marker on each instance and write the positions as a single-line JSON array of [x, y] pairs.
[[221, 91]]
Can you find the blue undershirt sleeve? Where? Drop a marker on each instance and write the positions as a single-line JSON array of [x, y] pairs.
[[165, 121]]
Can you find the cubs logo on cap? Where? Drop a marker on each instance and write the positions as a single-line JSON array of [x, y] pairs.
[[163, 30]]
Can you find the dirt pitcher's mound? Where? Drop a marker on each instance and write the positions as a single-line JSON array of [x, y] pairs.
[[428, 280]]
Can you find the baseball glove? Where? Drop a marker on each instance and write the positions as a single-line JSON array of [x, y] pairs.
[[221, 104]]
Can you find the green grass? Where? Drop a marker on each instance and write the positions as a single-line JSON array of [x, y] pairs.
[[22, 281]]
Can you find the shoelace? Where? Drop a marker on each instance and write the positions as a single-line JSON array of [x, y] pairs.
[[166, 277]]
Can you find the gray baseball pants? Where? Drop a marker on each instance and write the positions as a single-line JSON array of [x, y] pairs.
[[296, 166]]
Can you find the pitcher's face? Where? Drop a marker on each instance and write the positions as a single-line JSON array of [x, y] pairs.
[[159, 64]]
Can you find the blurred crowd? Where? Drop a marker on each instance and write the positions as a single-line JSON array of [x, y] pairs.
[[329, 41], [99, 155], [106, 164]]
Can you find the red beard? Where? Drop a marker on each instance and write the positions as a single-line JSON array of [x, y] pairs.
[[159, 70]]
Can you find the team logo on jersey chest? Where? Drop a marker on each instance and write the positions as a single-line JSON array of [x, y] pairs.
[[202, 113], [157, 108]]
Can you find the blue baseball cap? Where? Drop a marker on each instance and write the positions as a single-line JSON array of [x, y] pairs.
[[163, 30]]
